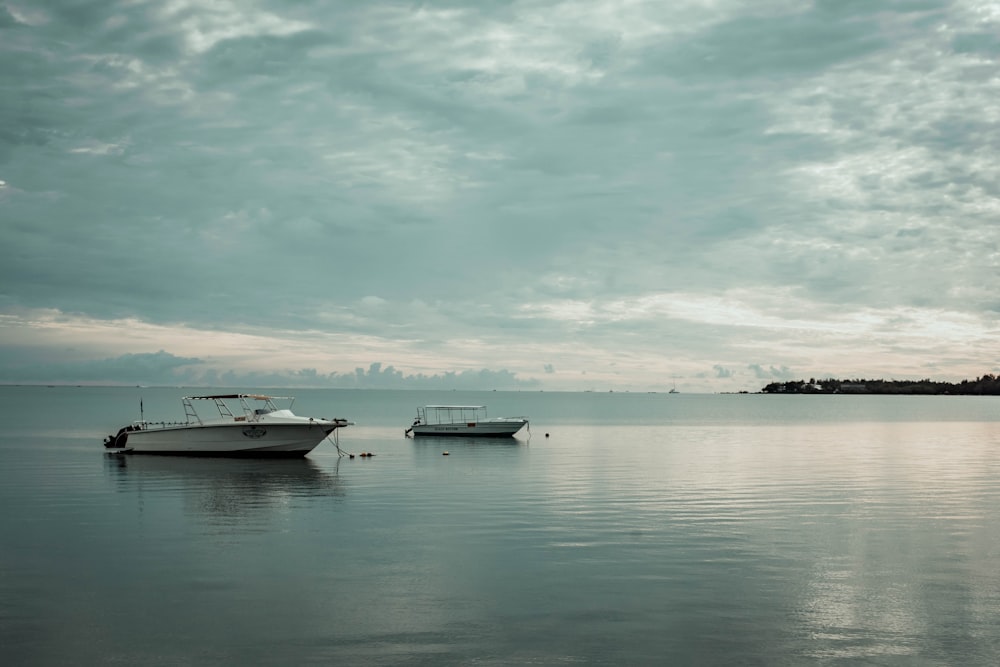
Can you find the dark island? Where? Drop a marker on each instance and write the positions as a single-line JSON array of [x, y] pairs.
[[987, 385]]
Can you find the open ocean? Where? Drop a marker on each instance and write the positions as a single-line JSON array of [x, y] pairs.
[[623, 529]]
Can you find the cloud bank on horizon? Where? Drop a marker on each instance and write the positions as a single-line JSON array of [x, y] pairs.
[[556, 195]]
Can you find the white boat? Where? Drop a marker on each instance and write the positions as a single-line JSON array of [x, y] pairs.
[[240, 429], [463, 420]]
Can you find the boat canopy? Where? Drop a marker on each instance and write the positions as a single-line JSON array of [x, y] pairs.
[[450, 414], [455, 407], [258, 397]]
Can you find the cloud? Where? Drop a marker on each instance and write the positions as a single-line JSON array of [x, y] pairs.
[[782, 373], [166, 369], [8, 19], [771, 43], [632, 194], [150, 368], [722, 372]]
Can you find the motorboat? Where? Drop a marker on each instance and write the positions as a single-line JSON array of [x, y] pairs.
[[463, 420], [246, 425]]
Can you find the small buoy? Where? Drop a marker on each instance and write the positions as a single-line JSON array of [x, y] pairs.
[[444, 453], [546, 435]]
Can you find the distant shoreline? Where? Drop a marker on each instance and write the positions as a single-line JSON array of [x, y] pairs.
[[987, 385]]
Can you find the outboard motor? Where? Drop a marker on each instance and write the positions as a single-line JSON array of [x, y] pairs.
[[118, 441]]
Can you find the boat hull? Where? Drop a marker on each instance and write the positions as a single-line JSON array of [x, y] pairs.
[[498, 429], [230, 439]]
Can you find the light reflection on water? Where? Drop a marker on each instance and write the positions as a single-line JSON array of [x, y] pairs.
[[706, 542]]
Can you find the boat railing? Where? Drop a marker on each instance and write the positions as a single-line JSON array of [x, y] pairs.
[[146, 425]]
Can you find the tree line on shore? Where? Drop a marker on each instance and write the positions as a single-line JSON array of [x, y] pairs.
[[987, 385]]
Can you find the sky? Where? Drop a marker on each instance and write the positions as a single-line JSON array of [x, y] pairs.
[[599, 195]]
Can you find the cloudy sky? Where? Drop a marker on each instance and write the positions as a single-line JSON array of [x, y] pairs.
[[608, 194]]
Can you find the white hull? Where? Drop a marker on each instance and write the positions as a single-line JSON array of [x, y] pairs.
[[247, 431], [488, 429], [231, 439]]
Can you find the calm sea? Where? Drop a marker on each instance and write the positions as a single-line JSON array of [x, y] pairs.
[[624, 529]]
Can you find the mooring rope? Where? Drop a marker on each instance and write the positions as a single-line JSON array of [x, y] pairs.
[[336, 442]]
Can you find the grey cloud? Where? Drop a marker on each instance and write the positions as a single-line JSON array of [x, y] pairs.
[[270, 183], [781, 373], [378, 377], [163, 368], [860, 9], [776, 45], [148, 368], [264, 56], [7, 20], [986, 43]]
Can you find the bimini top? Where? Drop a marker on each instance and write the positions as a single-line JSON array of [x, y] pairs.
[[259, 397], [455, 407]]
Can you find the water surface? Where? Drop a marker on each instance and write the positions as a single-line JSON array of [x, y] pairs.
[[622, 529]]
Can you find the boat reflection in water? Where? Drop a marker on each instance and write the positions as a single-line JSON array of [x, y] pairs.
[[470, 442], [506, 454], [227, 489]]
